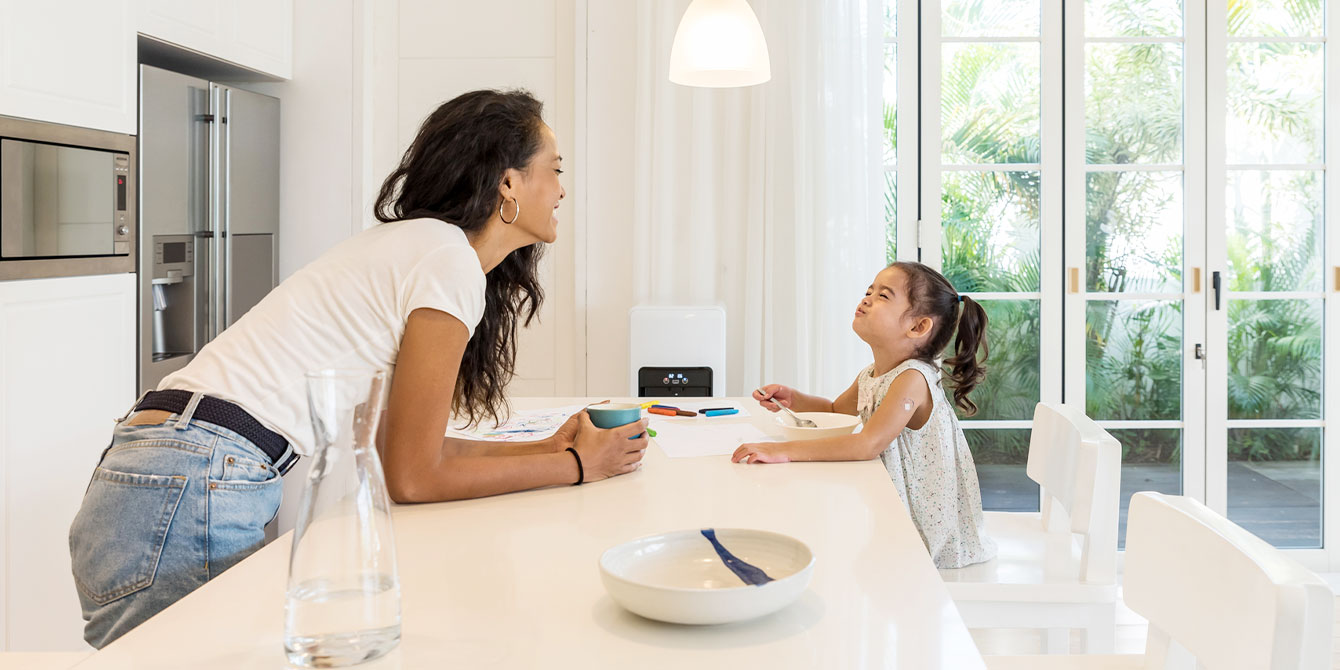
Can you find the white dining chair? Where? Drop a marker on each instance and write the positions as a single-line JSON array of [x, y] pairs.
[[1055, 569], [1216, 597]]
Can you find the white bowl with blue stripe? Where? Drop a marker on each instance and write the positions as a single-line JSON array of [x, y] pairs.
[[707, 576]]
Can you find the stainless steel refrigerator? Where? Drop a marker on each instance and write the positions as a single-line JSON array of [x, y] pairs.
[[209, 213]]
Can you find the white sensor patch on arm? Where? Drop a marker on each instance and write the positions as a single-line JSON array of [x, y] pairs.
[[908, 404]]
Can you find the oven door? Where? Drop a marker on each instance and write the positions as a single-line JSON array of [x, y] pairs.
[[65, 209]]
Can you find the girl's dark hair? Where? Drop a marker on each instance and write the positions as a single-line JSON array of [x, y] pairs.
[[451, 172], [931, 295]]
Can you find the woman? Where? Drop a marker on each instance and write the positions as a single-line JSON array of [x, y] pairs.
[[432, 296]]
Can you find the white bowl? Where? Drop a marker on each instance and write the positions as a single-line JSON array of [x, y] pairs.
[[680, 577], [830, 425]]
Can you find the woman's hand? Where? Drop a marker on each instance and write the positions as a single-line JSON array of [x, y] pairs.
[[775, 394], [760, 452], [566, 435], [607, 453]]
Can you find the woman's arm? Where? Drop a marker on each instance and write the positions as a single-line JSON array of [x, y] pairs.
[[423, 466], [908, 400]]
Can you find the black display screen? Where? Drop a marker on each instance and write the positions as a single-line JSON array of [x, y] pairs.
[[120, 193], [174, 252]]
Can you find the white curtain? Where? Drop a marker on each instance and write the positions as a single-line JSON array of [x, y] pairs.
[[766, 199]]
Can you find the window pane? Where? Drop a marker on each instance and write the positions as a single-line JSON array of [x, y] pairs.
[[890, 103], [1274, 484], [991, 18], [991, 239], [890, 19], [890, 216], [1134, 359], [1133, 103], [1274, 359], [989, 103], [1011, 388], [1294, 18], [1274, 100], [1274, 230], [1151, 460], [1134, 231], [1132, 18], [1001, 456]]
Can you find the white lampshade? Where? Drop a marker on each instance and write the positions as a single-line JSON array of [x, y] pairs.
[[719, 43]]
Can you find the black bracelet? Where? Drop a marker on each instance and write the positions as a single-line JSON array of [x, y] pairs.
[[581, 473]]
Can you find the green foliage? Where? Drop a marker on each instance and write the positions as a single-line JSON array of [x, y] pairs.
[[1134, 349]]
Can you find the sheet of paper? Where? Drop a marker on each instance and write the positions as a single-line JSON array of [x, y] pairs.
[[680, 439], [522, 426]]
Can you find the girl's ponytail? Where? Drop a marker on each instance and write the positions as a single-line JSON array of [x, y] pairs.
[[967, 369]]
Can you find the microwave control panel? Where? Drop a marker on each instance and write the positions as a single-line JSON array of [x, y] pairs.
[[121, 225]]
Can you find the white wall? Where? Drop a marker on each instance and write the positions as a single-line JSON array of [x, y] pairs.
[[445, 48], [607, 165], [365, 74]]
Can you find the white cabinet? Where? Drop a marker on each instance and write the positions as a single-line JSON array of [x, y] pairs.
[[69, 61], [257, 34], [67, 369]]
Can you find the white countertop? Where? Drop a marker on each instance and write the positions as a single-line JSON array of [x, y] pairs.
[[512, 582]]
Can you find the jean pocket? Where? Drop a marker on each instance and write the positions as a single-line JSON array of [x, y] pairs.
[[238, 514], [118, 534], [237, 469]]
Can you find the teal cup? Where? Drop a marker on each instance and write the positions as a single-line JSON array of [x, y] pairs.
[[613, 415]]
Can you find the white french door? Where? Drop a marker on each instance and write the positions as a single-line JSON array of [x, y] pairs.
[[1135, 235], [1270, 77], [1135, 190]]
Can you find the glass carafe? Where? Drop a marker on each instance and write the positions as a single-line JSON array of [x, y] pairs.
[[343, 604]]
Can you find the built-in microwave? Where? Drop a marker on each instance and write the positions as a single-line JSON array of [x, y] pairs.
[[67, 200]]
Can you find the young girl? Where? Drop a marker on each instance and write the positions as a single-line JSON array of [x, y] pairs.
[[907, 317]]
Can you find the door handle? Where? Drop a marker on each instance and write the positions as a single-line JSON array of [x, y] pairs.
[[1216, 284]]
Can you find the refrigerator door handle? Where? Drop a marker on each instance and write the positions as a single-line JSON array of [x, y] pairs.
[[217, 172], [225, 311]]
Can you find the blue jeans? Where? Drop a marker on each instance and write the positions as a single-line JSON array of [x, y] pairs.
[[171, 506]]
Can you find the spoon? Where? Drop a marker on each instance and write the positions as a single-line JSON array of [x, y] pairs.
[[802, 422]]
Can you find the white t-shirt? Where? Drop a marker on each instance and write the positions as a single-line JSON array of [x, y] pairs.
[[347, 310]]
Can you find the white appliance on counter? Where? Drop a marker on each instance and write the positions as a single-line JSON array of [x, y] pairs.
[[209, 213], [677, 351]]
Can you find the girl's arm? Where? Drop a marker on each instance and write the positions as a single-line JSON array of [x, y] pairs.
[[423, 466], [804, 402], [908, 398]]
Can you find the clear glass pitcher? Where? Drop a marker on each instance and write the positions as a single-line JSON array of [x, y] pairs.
[[343, 603]]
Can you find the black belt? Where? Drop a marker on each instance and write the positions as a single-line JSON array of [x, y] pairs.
[[227, 415]]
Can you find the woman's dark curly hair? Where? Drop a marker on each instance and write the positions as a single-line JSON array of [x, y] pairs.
[[451, 172]]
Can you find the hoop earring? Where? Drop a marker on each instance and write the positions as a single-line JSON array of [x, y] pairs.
[[503, 204]]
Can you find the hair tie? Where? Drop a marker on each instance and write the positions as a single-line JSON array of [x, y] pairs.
[[960, 297]]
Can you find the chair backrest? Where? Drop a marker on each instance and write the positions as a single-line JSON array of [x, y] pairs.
[[1221, 593], [1078, 466]]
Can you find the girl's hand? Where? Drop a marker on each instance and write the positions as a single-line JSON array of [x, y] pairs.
[[775, 394], [760, 452], [607, 453]]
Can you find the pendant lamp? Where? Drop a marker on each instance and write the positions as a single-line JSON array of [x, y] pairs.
[[719, 44]]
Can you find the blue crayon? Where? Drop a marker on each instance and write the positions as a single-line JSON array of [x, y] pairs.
[[720, 412]]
